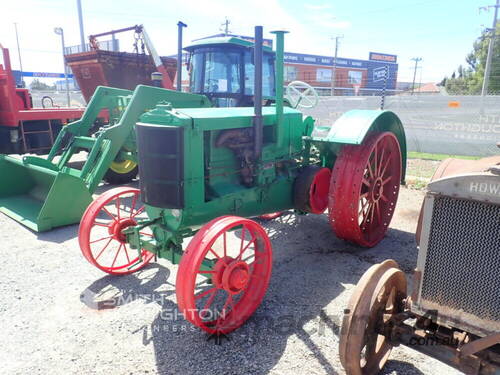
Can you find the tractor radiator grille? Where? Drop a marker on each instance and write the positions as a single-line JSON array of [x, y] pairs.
[[462, 266], [160, 151]]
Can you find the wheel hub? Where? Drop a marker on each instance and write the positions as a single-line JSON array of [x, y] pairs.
[[235, 277], [118, 226], [231, 275], [377, 189]]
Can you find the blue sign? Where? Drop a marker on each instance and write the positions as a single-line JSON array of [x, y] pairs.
[[300, 58], [45, 75], [379, 74]]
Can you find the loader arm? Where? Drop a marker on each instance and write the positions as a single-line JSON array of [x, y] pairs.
[[42, 194]]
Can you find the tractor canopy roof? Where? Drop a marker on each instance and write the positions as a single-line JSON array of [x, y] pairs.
[[224, 40]]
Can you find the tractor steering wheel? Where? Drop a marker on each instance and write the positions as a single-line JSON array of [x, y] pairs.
[[301, 94]]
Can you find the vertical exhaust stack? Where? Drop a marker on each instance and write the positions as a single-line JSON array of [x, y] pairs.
[[180, 25], [257, 98], [280, 48]]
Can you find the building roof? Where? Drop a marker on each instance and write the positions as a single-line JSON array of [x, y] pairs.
[[428, 88]]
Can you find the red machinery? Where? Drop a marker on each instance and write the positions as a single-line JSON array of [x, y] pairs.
[[123, 70], [23, 128]]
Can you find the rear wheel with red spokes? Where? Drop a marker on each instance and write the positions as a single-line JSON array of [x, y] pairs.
[[101, 236], [364, 189], [221, 297]]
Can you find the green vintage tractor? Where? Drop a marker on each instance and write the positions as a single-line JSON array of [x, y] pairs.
[[46, 192], [206, 171]]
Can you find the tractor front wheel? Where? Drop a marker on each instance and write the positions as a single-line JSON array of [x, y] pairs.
[[220, 294], [364, 189], [100, 235]]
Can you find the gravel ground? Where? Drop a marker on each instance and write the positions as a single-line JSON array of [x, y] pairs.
[[53, 314]]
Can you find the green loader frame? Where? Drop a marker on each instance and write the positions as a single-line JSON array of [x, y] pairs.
[[44, 193]]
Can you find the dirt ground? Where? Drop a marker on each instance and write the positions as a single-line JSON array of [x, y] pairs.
[[53, 317]]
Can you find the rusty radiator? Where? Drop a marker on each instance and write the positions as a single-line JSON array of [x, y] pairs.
[[459, 261]]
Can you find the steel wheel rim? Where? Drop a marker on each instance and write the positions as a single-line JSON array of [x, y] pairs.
[[100, 234], [364, 189], [380, 291], [122, 167], [237, 289]]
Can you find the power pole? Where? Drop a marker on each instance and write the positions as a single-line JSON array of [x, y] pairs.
[[334, 65], [420, 79], [416, 59], [491, 45], [60, 31], [19, 53], [80, 21]]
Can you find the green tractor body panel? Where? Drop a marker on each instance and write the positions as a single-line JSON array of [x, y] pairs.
[[43, 193], [353, 126], [213, 182]]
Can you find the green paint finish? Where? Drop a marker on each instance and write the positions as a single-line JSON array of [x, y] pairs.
[[353, 126], [213, 184], [225, 40], [43, 194], [30, 195]]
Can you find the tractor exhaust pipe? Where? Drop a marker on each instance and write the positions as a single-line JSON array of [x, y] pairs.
[[257, 97], [180, 25]]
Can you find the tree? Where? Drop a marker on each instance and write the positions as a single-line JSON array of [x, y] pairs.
[[469, 79], [36, 84]]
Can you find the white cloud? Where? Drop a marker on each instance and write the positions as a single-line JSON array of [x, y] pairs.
[[317, 6], [335, 24]]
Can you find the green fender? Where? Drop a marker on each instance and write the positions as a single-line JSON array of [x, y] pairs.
[[353, 126]]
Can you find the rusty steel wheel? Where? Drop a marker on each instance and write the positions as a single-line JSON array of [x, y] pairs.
[[100, 234], [377, 297], [364, 189], [223, 297]]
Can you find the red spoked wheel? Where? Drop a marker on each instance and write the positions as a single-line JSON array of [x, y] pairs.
[[364, 189], [221, 298], [318, 193], [271, 216], [100, 235]]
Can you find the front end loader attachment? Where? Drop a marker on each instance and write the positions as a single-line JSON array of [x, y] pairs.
[[41, 198], [44, 193]]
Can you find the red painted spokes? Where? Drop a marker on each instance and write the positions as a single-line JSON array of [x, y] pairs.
[[100, 235], [364, 189], [242, 261]]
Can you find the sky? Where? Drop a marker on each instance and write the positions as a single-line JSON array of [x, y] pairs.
[[441, 32]]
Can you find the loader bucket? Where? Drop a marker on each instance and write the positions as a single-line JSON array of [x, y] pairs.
[[40, 197]]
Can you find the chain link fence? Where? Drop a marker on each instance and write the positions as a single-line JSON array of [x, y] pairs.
[[434, 123]]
